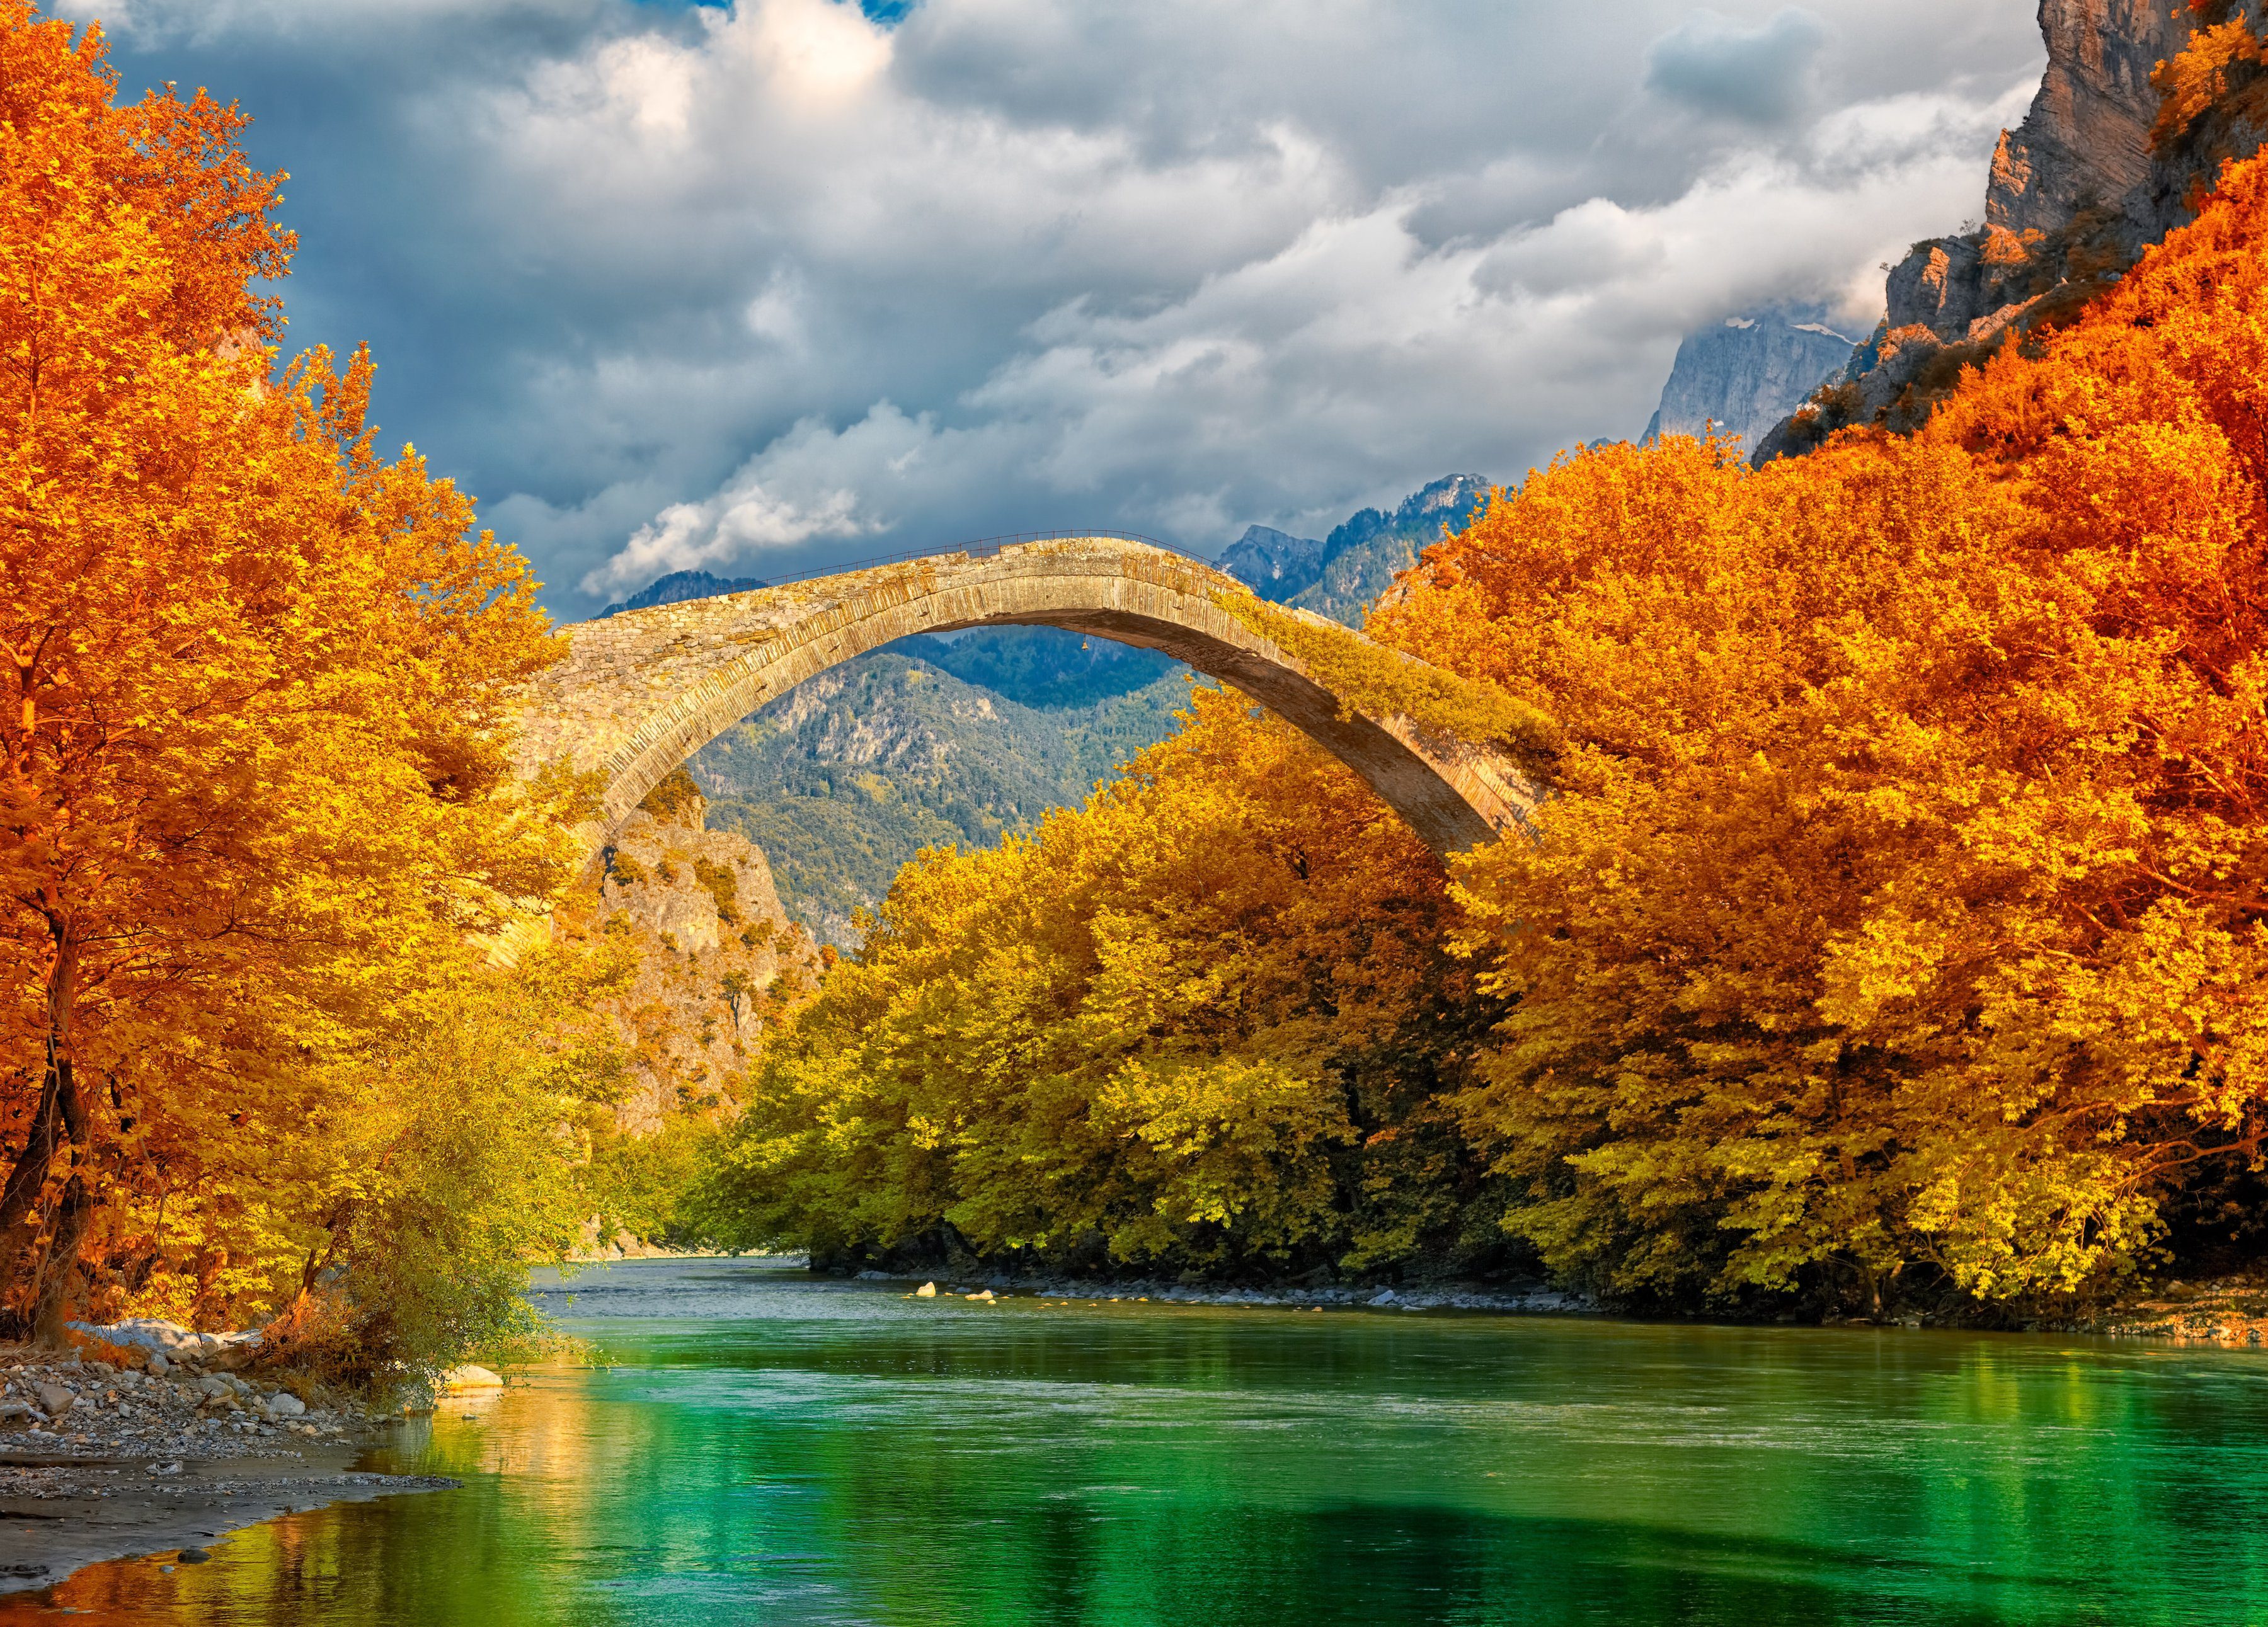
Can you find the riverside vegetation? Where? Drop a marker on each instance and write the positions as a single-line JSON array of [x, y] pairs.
[[255, 793], [1894, 935], [1891, 936]]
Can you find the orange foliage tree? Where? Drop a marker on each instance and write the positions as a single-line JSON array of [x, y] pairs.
[[255, 787], [1899, 907]]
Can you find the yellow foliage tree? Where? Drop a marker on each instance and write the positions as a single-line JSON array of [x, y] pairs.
[[1200, 1023]]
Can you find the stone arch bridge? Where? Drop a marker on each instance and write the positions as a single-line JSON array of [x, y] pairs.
[[642, 690]]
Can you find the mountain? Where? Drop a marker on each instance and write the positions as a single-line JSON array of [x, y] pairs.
[[1039, 666], [1361, 558], [2102, 167], [1747, 372], [852, 772], [1274, 564], [677, 587]]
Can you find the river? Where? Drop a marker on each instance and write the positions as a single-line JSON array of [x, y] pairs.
[[760, 1447]]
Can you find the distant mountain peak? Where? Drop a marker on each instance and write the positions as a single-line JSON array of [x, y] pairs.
[[677, 587], [1746, 373], [1451, 491], [1340, 576], [1273, 564]]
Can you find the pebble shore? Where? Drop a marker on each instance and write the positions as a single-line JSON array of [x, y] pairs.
[[101, 1458]]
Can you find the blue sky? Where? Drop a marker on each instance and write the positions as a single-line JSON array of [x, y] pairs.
[[760, 285]]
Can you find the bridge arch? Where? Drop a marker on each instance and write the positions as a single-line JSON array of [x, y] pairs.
[[643, 690]]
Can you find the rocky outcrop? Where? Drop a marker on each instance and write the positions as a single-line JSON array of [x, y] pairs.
[[713, 953], [1273, 564], [2091, 178], [1742, 376], [2085, 143]]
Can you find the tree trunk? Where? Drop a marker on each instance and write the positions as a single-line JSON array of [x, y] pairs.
[[18, 1227], [60, 1110], [52, 1308]]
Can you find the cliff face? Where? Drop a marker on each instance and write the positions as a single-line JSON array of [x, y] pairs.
[[2085, 143], [1746, 373], [1273, 564], [714, 953], [2075, 193]]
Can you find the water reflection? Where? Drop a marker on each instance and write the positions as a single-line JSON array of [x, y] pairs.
[[766, 1449]]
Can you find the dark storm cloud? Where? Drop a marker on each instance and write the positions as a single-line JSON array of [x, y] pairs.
[[1759, 75], [765, 284]]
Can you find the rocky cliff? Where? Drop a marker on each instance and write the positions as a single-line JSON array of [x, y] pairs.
[[2103, 164], [1746, 373], [714, 954]]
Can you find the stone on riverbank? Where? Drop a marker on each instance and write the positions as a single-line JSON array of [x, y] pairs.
[[171, 1339], [457, 1381]]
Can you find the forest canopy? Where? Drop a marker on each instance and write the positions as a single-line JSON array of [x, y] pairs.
[[256, 805], [1894, 927]]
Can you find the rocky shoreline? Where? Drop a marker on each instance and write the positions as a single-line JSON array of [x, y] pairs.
[[2231, 1314], [140, 1450], [59, 1514], [1529, 1298]]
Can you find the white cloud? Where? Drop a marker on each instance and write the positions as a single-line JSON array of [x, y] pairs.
[[771, 281]]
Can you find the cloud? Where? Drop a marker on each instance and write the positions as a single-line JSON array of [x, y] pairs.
[[779, 283], [1756, 74], [806, 484]]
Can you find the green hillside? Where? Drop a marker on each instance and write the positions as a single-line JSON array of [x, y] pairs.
[[847, 775]]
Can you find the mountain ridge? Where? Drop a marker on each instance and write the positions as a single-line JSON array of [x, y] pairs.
[[679, 586], [1743, 375]]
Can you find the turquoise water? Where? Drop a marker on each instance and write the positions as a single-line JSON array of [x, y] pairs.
[[768, 1448]]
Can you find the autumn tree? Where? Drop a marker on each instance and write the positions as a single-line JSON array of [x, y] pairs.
[[1201, 1023], [1898, 909], [256, 781]]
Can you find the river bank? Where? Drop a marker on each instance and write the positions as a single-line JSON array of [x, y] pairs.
[[57, 1515], [101, 1458], [749, 1442], [1521, 1299], [2229, 1312]]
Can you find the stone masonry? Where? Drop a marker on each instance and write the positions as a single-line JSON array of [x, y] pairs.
[[642, 690]]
